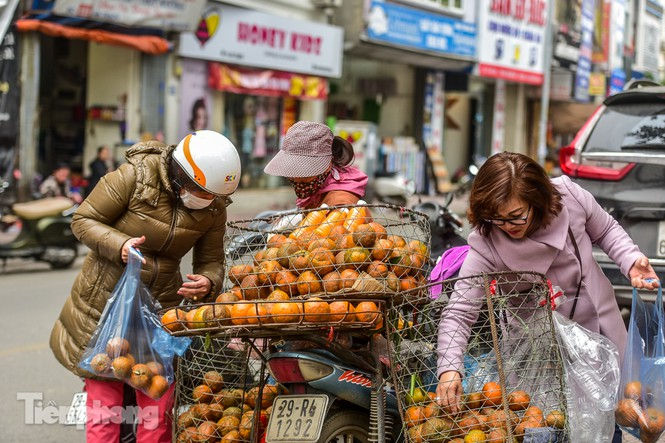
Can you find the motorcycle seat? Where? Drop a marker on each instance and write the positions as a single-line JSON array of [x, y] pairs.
[[41, 208]]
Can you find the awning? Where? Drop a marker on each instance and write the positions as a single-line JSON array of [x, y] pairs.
[[147, 41]]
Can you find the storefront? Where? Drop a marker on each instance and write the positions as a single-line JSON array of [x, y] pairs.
[[98, 72], [253, 78], [400, 63]]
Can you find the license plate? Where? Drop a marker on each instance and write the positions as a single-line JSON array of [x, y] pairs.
[[297, 418], [660, 247]]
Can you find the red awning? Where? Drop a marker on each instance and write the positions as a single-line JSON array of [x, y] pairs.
[[145, 43]]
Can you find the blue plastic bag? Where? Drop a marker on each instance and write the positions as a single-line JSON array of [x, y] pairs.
[[129, 343], [641, 410]]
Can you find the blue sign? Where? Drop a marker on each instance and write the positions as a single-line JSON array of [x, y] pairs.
[[418, 29], [586, 46], [617, 80]]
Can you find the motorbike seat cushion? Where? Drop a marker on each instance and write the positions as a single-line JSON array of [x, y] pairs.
[[44, 207]]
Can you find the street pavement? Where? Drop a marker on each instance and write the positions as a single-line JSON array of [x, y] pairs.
[[33, 296]]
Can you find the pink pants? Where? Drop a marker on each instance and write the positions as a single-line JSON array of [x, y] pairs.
[[105, 413]]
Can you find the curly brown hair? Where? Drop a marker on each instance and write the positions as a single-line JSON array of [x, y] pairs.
[[508, 175]]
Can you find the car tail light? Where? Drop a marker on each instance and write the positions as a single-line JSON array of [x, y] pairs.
[[609, 171], [312, 370], [286, 370]]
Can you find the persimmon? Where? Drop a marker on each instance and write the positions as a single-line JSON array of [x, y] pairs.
[[337, 232], [158, 387], [397, 241], [258, 314], [286, 281], [633, 390], [518, 400], [259, 256], [332, 282], [240, 313], [237, 291], [364, 235], [431, 410], [382, 249], [401, 262], [325, 243], [300, 261], [534, 413], [122, 366], [322, 261], [345, 242], [378, 269], [556, 419], [213, 380], [469, 422], [340, 264], [232, 436], [140, 376], [475, 436], [474, 400], [207, 431], [276, 240], [272, 254], [100, 364], [356, 256], [628, 412], [267, 271], [348, 278], [415, 434], [228, 424], [172, 318], [202, 394], [278, 295], [408, 283], [380, 230], [308, 283], [288, 248], [226, 297], [492, 393], [413, 416], [286, 312], [238, 272], [155, 367], [117, 347], [251, 287], [497, 436], [367, 312], [652, 422], [316, 310]]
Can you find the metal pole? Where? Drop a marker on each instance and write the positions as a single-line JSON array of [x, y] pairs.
[[545, 95]]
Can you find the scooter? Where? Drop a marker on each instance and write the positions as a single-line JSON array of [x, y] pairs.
[[39, 230], [391, 188]]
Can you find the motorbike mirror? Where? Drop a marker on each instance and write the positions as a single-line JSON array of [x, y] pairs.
[[449, 199]]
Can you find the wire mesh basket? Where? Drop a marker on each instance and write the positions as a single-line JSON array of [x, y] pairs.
[[275, 318], [375, 250], [496, 331], [221, 392]]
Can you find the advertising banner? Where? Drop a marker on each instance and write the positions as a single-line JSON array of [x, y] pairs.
[[10, 93], [418, 29], [169, 15], [251, 38], [584, 62], [513, 37], [195, 98]]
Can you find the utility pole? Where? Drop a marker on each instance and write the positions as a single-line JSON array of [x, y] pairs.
[[547, 76]]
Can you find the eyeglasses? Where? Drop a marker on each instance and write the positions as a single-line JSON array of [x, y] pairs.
[[513, 221]]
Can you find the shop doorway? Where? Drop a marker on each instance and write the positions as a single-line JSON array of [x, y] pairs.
[[62, 97], [254, 125]]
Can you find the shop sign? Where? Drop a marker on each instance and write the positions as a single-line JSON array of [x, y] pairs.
[[597, 84], [513, 36], [10, 94], [601, 31], [617, 80], [423, 30], [617, 34], [562, 85], [584, 62], [434, 101], [169, 15], [251, 38], [195, 98], [266, 82]]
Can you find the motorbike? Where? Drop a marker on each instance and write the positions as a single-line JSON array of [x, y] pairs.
[[39, 230], [445, 226], [391, 188]]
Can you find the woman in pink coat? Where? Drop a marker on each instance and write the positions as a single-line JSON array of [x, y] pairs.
[[526, 222]]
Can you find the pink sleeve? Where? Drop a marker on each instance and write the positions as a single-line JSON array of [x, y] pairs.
[[462, 310], [604, 230]]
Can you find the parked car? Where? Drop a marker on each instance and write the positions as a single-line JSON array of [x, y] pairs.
[[619, 156]]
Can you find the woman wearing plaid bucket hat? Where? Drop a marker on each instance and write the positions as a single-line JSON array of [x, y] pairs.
[[318, 166]]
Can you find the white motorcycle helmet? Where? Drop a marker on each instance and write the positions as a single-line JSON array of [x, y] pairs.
[[210, 160]]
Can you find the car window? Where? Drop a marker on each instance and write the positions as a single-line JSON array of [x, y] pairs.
[[628, 125]]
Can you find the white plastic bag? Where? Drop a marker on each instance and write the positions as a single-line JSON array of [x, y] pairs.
[[591, 363]]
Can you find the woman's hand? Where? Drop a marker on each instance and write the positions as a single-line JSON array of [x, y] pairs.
[[642, 271], [449, 391], [132, 242], [198, 287]]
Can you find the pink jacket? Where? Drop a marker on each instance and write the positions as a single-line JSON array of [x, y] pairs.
[[349, 179], [548, 251]]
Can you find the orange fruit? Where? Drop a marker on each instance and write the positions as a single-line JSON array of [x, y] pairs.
[[332, 282], [401, 262], [633, 390], [367, 312], [228, 424], [100, 363], [286, 281], [521, 428], [418, 247], [259, 257], [299, 261], [316, 310], [431, 410], [356, 256], [267, 271], [116, 347], [470, 422], [518, 400], [556, 419], [226, 297], [652, 423], [237, 291], [207, 431], [276, 240], [240, 313], [349, 277], [475, 436], [278, 295], [364, 235], [534, 413], [258, 314], [325, 243], [339, 311], [378, 269], [322, 261], [190, 321], [214, 380], [158, 387], [474, 400], [398, 241], [202, 394], [382, 249], [172, 319], [628, 413], [345, 242], [381, 232], [286, 312], [413, 416], [408, 283], [238, 272], [308, 283], [492, 393], [251, 287], [336, 233]]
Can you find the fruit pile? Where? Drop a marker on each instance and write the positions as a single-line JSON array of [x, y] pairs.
[[329, 252], [119, 363], [278, 308], [481, 419], [224, 415], [630, 413]]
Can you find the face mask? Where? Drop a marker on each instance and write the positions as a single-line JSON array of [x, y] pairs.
[[307, 189], [193, 202]]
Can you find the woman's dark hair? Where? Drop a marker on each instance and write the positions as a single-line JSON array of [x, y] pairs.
[[198, 104], [508, 175], [342, 152]]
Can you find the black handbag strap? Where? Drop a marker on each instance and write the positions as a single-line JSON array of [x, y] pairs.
[[579, 259]]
